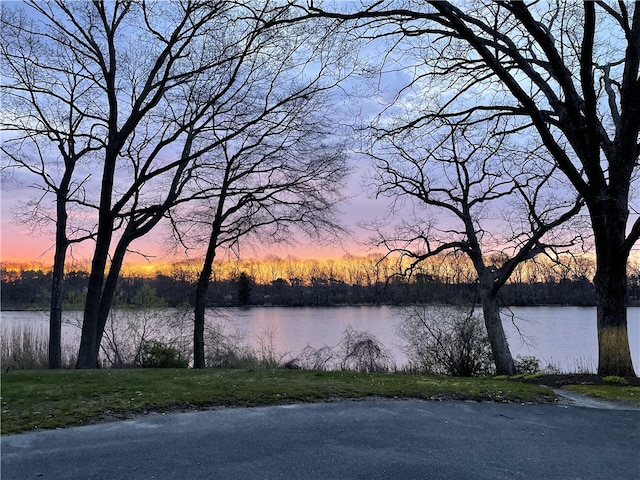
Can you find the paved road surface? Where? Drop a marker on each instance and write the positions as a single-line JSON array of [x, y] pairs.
[[373, 439]]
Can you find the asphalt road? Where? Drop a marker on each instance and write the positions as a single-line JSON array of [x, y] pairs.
[[372, 439]]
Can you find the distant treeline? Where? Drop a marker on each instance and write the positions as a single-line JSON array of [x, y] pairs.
[[30, 290]]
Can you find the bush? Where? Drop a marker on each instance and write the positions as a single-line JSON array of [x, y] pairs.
[[129, 329], [615, 380], [156, 354], [227, 349], [357, 351], [527, 365], [362, 352], [446, 341], [316, 358]]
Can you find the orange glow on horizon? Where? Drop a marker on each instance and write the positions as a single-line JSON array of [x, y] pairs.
[[353, 270]]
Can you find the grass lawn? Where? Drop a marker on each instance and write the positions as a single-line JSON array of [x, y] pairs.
[[617, 393], [609, 388], [44, 399]]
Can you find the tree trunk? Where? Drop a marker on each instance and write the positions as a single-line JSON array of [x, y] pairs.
[[88, 352], [57, 295], [198, 322], [203, 282], [109, 290], [614, 355], [495, 331], [200, 304], [57, 274]]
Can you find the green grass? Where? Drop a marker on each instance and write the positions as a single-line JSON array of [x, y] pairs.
[[44, 399], [609, 392]]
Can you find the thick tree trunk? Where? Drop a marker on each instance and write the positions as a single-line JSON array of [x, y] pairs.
[[57, 296], [203, 283], [109, 290], [88, 352], [499, 345], [57, 274], [614, 355], [198, 321]]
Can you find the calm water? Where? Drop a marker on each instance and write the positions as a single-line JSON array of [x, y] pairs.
[[561, 336]]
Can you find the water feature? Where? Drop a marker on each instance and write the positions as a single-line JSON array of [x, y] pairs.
[[564, 337]]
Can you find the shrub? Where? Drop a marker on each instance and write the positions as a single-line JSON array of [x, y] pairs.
[[527, 365], [316, 358], [615, 380], [357, 351], [446, 341], [129, 329], [361, 351], [156, 354], [553, 368], [226, 349]]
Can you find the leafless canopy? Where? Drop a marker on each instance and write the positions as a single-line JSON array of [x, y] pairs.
[[564, 76]]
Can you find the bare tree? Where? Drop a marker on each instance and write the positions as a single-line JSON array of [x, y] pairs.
[[491, 202], [45, 129], [154, 75], [283, 174], [127, 56], [565, 74]]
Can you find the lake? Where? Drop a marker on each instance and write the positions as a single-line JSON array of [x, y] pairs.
[[564, 337]]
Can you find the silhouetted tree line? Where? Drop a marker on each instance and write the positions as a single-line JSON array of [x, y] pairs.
[[31, 290]]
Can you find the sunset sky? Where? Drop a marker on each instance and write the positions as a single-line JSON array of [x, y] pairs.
[[19, 244]]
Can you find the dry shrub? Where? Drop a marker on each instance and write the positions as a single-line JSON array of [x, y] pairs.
[[362, 352], [315, 358], [128, 330], [446, 341], [357, 351], [226, 347]]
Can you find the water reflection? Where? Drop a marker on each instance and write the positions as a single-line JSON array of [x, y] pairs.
[[565, 337]]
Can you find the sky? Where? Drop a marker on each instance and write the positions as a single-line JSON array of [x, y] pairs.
[[18, 243]]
